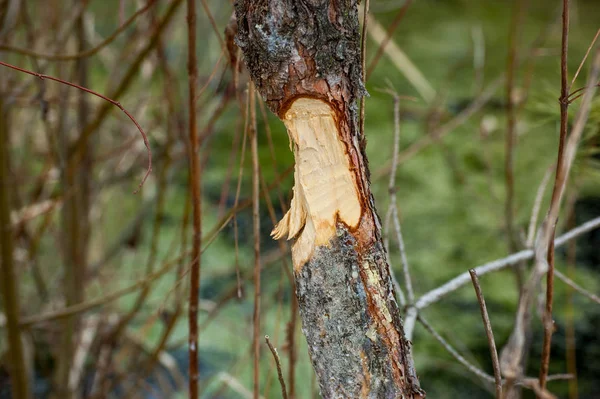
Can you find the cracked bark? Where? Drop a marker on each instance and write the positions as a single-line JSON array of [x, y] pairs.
[[304, 58]]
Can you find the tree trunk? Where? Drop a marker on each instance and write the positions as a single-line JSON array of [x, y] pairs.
[[304, 57]]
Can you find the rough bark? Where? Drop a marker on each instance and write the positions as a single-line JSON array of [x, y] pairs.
[[304, 58]]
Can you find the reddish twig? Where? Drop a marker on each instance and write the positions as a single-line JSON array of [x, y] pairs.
[[196, 196], [489, 332], [256, 233], [388, 36], [113, 102], [580, 90], [511, 131], [278, 364], [559, 184], [363, 61]]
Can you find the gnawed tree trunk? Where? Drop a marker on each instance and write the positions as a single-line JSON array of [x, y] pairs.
[[304, 57]]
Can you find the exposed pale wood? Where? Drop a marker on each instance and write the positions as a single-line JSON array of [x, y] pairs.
[[325, 190]]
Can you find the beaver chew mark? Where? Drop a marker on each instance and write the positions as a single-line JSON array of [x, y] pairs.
[[325, 190]]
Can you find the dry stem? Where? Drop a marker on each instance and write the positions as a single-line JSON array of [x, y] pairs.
[[489, 333], [196, 196]]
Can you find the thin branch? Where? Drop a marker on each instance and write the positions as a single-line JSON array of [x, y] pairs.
[[401, 61], [235, 385], [113, 102], [511, 130], [213, 24], [8, 275], [549, 228], [587, 53], [577, 287], [86, 53], [475, 106], [530, 383], [489, 332], [472, 368], [128, 77], [278, 364], [195, 182], [405, 267], [537, 204], [393, 210], [242, 158], [256, 233], [94, 303], [363, 60], [573, 99], [462, 279], [566, 155], [544, 248], [383, 44], [570, 339]]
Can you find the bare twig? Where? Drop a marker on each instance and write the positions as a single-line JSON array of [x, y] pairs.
[[291, 340], [121, 87], [549, 228], [236, 385], [462, 279], [570, 340], [113, 102], [530, 383], [242, 158], [363, 60], [573, 98], [93, 303], [511, 120], [256, 233], [405, 267], [566, 154], [537, 204], [401, 61], [393, 208], [383, 44], [291, 325], [544, 248], [587, 53], [196, 196], [87, 338], [478, 103], [489, 332], [216, 29], [278, 364], [472, 368], [86, 53], [577, 287], [9, 277]]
